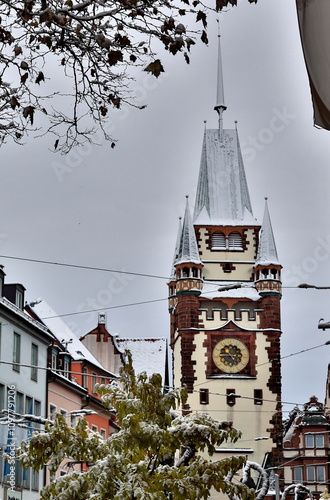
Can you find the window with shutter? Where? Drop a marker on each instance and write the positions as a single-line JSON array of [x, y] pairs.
[[235, 241], [218, 241]]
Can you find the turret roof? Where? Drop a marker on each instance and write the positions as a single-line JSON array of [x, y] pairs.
[[186, 248], [267, 253]]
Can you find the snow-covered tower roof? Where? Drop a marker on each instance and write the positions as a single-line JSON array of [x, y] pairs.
[[267, 253], [222, 193], [222, 196], [186, 248]]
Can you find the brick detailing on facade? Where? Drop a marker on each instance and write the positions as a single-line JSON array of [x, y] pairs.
[[223, 307], [188, 375], [270, 318], [183, 319], [212, 338], [255, 240], [271, 315], [187, 312], [276, 434], [227, 267]]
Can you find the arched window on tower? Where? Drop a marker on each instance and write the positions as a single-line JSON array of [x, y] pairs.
[[274, 274], [218, 241], [194, 271], [185, 272], [235, 241], [265, 273]]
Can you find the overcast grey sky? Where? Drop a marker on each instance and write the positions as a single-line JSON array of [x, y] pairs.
[[119, 209]]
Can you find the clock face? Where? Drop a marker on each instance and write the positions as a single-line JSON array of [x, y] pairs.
[[231, 355]]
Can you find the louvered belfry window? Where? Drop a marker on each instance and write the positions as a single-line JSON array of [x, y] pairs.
[[218, 241], [235, 241], [221, 242]]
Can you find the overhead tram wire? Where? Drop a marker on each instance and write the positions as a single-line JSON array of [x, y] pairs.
[[61, 372], [282, 357], [77, 313], [88, 268], [298, 352], [301, 286], [143, 302], [105, 308], [132, 273]]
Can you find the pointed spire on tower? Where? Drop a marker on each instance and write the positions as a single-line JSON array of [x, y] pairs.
[[267, 253], [187, 249], [222, 195], [220, 106]]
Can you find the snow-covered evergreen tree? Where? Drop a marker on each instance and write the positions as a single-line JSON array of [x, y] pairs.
[[156, 455]]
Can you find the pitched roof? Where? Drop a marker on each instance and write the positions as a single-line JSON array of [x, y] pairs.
[[186, 248], [267, 253], [222, 193], [23, 315], [149, 354], [63, 333]]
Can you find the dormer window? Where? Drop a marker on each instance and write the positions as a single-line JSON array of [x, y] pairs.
[[19, 299], [14, 292], [66, 367], [54, 354]]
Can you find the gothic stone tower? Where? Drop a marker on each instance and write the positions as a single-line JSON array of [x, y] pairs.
[[224, 303]]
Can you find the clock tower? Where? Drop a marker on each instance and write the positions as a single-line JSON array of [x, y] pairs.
[[224, 303]]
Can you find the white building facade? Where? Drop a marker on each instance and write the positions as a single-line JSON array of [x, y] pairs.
[[23, 389]]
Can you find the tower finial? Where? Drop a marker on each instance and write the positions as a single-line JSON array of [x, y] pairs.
[[220, 104]]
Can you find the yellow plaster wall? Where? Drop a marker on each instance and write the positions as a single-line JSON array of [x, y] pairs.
[[252, 420], [206, 254], [243, 261]]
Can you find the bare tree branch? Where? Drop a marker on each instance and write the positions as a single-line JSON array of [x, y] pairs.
[[64, 63]]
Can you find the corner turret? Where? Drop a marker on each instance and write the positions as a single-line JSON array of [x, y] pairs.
[[187, 266], [267, 269]]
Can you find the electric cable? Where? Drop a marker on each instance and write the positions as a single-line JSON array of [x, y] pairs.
[[143, 275]]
